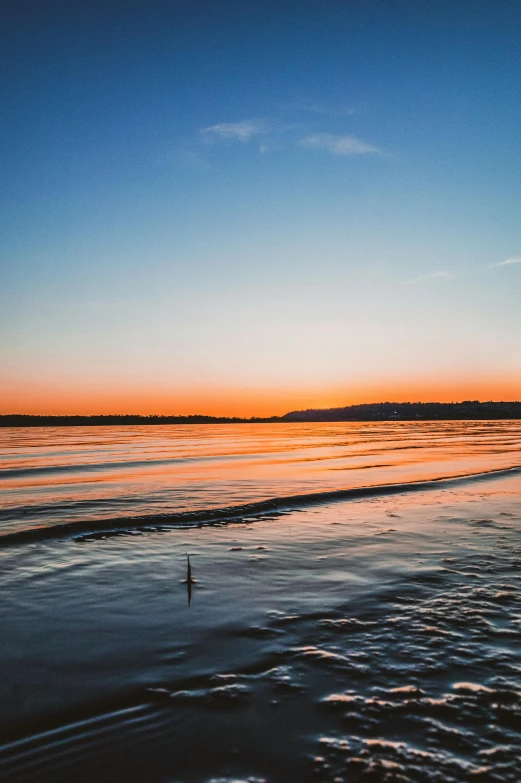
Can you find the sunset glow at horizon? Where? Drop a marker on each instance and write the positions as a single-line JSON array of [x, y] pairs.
[[244, 403], [243, 209]]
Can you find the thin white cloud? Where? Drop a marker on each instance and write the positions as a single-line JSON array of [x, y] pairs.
[[234, 131], [505, 263], [339, 145], [433, 276], [314, 107]]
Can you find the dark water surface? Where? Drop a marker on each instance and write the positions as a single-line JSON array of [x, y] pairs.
[[375, 638]]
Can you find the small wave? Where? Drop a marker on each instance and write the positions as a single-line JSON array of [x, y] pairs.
[[92, 467], [247, 512]]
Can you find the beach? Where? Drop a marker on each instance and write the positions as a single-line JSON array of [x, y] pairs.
[[371, 636], [260, 399]]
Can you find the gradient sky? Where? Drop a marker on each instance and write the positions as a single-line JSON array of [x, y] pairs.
[[251, 207]]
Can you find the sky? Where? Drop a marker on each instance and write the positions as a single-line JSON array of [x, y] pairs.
[[254, 207]]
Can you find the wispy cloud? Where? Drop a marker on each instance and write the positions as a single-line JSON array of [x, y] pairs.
[[433, 276], [339, 145], [272, 135], [505, 263], [234, 131], [315, 107]]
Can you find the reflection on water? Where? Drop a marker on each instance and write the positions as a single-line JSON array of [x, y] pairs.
[[370, 640], [53, 475], [189, 580], [373, 639]]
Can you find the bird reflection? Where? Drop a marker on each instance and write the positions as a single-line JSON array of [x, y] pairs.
[[189, 581]]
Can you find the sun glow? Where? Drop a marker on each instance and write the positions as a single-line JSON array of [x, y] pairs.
[[90, 398]]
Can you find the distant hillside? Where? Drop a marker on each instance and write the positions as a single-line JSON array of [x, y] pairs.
[[378, 411], [410, 411]]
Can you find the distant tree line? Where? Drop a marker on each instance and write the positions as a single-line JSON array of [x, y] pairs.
[[378, 411], [411, 411], [28, 420]]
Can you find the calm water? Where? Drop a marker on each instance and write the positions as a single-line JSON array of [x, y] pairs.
[[52, 476], [365, 637]]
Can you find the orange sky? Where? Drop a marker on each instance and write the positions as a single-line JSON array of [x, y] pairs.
[[33, 397]]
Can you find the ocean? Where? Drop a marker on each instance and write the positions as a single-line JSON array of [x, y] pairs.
[[354, 613]]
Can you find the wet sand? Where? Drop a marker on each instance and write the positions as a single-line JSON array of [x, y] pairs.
[[369, 639]]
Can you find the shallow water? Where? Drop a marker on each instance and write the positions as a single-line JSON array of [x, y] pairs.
[[109, 476], [375, 638]]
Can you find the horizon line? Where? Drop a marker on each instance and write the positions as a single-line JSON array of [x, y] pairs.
[[252, 417]]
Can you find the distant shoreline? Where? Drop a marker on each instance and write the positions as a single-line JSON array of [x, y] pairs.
[[381, 411]]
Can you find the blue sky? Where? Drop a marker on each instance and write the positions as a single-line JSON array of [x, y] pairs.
[[249, 205]]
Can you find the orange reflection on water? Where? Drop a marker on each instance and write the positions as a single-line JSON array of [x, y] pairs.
[[65, 474]]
